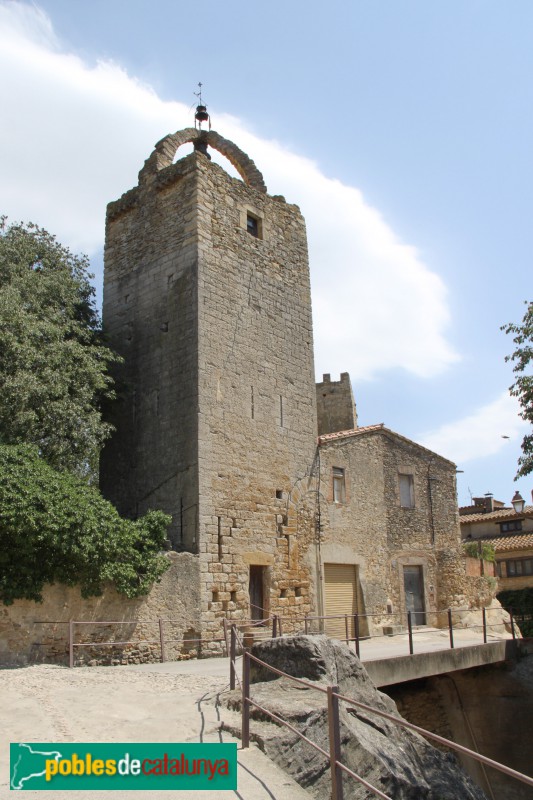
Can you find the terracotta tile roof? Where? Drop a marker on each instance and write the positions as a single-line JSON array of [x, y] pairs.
[[329, 437], [522, 541], [500, 515]]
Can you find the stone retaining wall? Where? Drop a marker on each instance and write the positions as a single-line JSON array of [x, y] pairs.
[[39, 632]]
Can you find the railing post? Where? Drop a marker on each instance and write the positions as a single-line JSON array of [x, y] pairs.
[[410, 631], [305, 624], [274, 626], [334, 743], [280, 630], [71, 644], [245, 730], [225, 627], [450, 627], [232, 656], [346, 629], [162, 640], [484, 625], [356, 629], [512, 624]]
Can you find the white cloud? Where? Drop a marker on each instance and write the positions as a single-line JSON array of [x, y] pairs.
[[480, 434], [75, 136]]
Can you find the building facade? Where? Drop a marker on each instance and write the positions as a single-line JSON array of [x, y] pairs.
[[390, 516], [508, 532]]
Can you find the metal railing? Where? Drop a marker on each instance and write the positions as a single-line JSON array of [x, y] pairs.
[[351, 629], [414, 625], [267, 628], [337, 768]]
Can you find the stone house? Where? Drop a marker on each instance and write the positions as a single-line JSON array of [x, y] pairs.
[[389, 521], [509, 532]]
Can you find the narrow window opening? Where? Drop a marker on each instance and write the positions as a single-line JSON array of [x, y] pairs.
[[339, 485], [279, 494], [407, 491], [283, 593], [281, 410], [219, 537], [215, 597], [252, 225], [252, 402], [233, 597], [297, 591]]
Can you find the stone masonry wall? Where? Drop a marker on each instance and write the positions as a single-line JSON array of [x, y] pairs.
[[372, 530], [429, 532], [355, 532], [257, 417], [150, 317], [38, 632], [335, 405]]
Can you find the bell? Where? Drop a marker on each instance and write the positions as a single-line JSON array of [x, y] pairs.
[[201, 114]]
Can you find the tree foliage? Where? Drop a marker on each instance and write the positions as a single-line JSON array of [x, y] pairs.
[[54, 528], [520, 602], [53, 362], [522, 388], [481, 550]]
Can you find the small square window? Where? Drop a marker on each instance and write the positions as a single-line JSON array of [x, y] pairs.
[[514, 525], [252, 225], [407, 491], [339, 485]]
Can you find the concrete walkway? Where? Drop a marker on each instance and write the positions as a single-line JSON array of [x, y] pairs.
[[425, 640]]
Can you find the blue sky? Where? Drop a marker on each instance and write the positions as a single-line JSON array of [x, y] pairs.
[[402, 129]]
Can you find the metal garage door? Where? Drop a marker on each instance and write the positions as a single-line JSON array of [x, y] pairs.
[[340, 585]]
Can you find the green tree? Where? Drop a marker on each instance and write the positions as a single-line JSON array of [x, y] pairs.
[[522, 388], [53, 361], [54, 528]]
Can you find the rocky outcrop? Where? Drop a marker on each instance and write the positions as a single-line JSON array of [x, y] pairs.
[[398, 762]]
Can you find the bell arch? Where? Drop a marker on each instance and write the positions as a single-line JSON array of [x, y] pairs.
[[165, 150]]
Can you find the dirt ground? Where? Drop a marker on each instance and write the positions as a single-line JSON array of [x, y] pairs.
[[47, 703]]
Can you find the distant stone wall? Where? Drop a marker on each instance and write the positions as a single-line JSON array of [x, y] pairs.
[[460, 589], [38, 632]]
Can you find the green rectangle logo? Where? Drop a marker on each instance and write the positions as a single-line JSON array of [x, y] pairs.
[[193, 765]]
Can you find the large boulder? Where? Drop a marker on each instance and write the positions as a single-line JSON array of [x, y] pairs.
[[399, 762]]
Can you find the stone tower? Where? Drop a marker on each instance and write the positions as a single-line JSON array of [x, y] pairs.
[[335, 405], [207, 299]]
